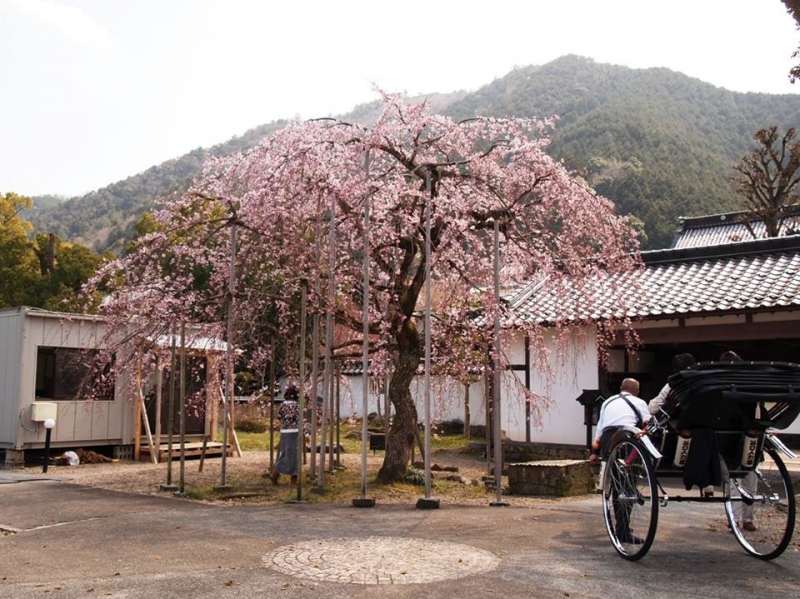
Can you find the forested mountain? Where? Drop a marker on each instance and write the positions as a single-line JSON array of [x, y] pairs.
[[658, 143], [43, 203]]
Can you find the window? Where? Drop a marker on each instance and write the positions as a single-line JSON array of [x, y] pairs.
[[68, 373]]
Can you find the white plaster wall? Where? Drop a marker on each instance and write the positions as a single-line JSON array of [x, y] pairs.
[[571, 371], [447, 398]]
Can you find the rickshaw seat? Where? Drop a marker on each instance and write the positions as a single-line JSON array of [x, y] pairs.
[[737, 396]]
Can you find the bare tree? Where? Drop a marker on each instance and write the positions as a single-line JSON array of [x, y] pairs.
[[769, 178], [793, 8]]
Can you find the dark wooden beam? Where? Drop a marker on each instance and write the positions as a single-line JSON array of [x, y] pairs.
[[719, 332]]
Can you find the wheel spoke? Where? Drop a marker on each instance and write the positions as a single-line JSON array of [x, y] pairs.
[[630, 501], [761, 507]]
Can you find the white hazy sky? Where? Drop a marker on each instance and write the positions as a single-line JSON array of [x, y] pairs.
[[94, 91]]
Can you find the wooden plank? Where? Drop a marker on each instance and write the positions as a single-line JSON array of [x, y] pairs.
[[193, 449]]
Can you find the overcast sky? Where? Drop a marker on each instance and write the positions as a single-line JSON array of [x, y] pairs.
[[94, 91]]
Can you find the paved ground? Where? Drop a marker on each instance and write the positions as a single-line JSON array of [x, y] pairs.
[[67, 541]]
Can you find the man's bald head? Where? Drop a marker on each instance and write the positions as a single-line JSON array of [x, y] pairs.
[[630, 386]]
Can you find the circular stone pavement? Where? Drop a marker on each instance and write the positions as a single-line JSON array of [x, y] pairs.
[[380, 560]]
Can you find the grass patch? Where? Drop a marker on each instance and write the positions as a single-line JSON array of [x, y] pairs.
[[340, 487], [343, 485], [451, 442], [250, 441]]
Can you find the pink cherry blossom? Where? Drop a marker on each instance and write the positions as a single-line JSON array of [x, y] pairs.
[[281, 195]]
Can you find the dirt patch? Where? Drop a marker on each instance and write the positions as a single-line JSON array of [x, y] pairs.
[[147, 478]]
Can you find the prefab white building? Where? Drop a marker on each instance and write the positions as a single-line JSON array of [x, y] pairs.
[[41, 358], [44, 358]]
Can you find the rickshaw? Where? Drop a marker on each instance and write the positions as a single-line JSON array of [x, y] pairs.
[[715, 428]]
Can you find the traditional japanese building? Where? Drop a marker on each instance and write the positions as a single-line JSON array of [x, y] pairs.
[[715, 289]]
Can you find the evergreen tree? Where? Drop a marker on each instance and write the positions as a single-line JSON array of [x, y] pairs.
[[19, 269]]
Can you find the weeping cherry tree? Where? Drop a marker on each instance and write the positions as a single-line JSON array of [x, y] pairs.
[[317, 175]]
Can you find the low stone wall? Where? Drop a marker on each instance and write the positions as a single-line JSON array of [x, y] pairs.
[[560, 478], [520, 451]]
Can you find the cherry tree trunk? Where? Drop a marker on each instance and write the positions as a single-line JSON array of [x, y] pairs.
[[400, 435]]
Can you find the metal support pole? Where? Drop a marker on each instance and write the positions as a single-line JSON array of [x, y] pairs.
[[301, 442], [272, 406], [528, 387], [488, 393], [337, 418], [363, 500], [329, 324], [427, 502], [48, 425], [226, 401], [330, 420], [182, 469], [498, 441], [312, 471], [168, 486]]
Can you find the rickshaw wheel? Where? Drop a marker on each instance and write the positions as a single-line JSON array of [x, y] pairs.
[[772, 512], [630, 498]]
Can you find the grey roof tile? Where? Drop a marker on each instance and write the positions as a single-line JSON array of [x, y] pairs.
[[752, 275], [721, 229]]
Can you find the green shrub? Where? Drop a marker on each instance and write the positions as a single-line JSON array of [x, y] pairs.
[[414, 477]]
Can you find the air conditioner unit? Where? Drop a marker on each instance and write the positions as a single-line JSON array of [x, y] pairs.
[[43, 410]]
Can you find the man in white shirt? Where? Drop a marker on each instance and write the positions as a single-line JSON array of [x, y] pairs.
[[622, 410]]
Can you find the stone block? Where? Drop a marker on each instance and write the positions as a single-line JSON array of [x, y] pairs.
[[560, 478], [15, 458]]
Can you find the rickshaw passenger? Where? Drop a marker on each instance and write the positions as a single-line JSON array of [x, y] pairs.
[[679, 362]]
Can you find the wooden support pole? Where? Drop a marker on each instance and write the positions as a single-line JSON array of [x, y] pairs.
[[145, 422], [203, 453], [233, 436], [159, 397], [143, 412], [215, 396], [137, 436]]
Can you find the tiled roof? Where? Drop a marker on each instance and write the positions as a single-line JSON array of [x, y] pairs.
[[754, 275], [721, 229]]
